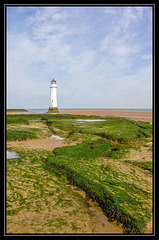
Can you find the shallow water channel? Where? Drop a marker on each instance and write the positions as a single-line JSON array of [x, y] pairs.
[[103, 225]]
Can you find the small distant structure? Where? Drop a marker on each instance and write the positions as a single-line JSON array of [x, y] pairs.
[[53, 97]]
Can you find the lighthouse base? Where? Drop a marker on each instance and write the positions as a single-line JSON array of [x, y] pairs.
[[53, 110]]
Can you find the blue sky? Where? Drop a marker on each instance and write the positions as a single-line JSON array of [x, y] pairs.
[[101, 57]]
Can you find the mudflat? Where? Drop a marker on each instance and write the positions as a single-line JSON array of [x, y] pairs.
[[58, 209]]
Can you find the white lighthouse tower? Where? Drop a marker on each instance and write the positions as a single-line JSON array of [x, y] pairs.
[[53, 97]]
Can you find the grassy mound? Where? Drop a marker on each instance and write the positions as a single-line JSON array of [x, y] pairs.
[[25, 127], [114, 184], [21, 135], [121, 130]]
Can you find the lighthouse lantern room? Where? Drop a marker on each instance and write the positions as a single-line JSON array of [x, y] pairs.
[[53, 97]]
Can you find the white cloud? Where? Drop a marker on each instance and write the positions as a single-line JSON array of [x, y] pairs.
[[109, 10], [140, 11], [122, 26], [123, 44], [129, 91], [147, 57], [129, 16], [44, 14], [124, 50]]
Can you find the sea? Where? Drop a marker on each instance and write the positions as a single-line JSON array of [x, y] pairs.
[[45, 110]]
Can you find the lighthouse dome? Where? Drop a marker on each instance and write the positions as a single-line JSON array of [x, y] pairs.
[[53, 81]]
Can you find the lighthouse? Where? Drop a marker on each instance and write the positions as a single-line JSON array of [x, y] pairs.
[[53, 97]]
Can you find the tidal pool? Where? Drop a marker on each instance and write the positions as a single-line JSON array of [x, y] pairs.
[[57, 137], [90, 120], [11, 155]]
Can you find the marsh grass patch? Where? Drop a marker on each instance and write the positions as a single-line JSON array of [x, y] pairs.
[[116, 179]]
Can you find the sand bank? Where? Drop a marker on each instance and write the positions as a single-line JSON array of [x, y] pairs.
[[135, 115], [29, 112], [45, 143]]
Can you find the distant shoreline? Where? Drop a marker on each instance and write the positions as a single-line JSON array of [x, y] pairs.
[[17, 110], [137, 115], [102, 109], [44, 110]]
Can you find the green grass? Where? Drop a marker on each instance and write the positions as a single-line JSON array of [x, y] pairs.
[[19, 127], [21, 135], [120, 130], [16, 120], [41, 200], [146, 165]]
